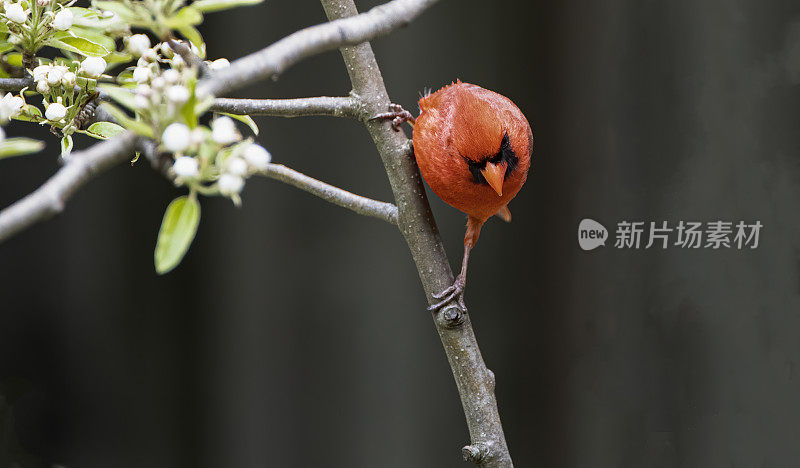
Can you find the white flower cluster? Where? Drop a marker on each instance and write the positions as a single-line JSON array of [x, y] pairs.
[[159, 93], [10, 106], [245, 159], [58, 75]]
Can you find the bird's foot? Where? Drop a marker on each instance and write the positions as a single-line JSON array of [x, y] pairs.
[[397, 115], [454, 292]]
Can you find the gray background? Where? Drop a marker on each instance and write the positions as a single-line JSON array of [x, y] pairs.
[[295, 333]]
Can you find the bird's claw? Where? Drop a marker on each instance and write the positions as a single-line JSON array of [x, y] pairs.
[[397, 115], [455, 291]]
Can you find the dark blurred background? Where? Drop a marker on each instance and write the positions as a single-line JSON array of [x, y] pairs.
[[295, 333]]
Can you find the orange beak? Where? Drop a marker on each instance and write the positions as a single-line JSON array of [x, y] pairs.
[[495, 174]]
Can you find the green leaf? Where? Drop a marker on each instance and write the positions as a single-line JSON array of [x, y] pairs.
[[193, 35], [78, 45], [122, 118], [186, 16], [19, 146], [30, 113], [5, 46], [208, 6], [177, 232], [93, 35], [14, 59], [245, 119], [121, 95], [103, 130], [125, 14], [66, 146]]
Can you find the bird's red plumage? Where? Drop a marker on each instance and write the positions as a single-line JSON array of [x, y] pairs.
[[463, 122]]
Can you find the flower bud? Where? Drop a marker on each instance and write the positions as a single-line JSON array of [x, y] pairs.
[[177, 62], [177, 94], [176, 137], [171, 76], [54, 76], [15, 12], [158, 83], [230, 184], [93, 66], [223, 131], [63, 20], [186, 167], [55, 111], [141, 74], [257, 157], [138, 44], [236, 166], [42, 87], [219, 64], [69, 79]]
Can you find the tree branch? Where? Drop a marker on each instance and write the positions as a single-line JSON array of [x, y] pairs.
[[330, 106], [361, 205], [313, 40], [15, 84], [474, 381], [188, 56], [50, 199]]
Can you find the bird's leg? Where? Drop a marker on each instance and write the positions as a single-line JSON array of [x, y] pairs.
[[397, 115], [456, 290]]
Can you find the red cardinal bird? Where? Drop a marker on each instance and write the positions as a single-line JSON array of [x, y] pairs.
[[473, 147]]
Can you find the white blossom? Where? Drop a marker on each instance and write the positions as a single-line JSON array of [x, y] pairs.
[[176, 137], [141, 74], [223, 131], [257, 157], [93, 66], [138, 44], [15, 12], [10, 106], [230, 184], [63, 20], [55, 111], [2, 135], [40, 72], [186, 167], [236, 166], [177, 94], [42, 87]]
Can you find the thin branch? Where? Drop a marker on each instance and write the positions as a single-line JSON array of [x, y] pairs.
[[15, 84], [51, 198], [324, 105], [276, 58], [474, 381], [188, 56], [361, 205]]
